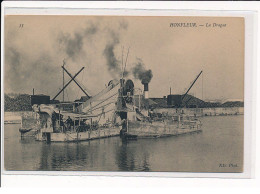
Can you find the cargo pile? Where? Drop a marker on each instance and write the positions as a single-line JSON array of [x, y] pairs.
[[19, 102]]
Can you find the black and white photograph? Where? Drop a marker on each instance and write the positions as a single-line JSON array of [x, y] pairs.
[[124, 93]]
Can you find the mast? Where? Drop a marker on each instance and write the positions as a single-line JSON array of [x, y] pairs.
[[202, 87], [126, 61], [63, 80], [68, 83], [122, 68], [76, 82]]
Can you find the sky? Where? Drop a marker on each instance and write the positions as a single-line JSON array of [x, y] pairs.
[[36, 46]]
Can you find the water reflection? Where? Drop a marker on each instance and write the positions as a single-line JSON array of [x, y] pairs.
[[66, 156], [221, 141], [131, 159], [106, 154], [26, 140]]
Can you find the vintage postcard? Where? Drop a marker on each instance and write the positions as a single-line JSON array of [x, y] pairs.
[[124, 93]]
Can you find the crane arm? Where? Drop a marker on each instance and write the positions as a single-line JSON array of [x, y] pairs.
[[191, 86]]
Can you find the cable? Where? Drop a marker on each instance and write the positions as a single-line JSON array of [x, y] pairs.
[[102, 106], [101, 102]]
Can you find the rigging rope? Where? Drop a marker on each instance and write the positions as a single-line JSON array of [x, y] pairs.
[[102, 106], [101, 102]]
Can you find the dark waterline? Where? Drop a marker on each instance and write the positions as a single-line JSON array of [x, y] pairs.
[[221, 142]]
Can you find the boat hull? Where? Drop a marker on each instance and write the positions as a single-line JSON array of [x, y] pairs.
[[159, 129], [81, 136]]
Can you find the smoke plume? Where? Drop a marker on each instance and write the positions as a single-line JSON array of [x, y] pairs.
[[141, 73], [112, 62], [25, 72], [35, 61], [73, 44], [109, 53]]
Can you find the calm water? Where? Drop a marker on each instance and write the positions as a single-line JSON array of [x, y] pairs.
[[221, 142]]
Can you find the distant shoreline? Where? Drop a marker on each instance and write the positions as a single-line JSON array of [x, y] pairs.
[[22, 102]]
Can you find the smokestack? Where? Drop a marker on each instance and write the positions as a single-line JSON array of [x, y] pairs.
[[146, 89], [33, 91]]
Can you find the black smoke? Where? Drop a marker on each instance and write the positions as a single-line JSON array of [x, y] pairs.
[[141, 73]]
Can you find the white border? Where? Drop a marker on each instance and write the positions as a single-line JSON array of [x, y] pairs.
[[119, 8]]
